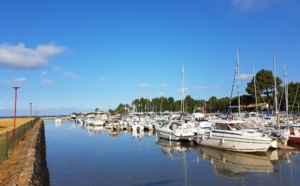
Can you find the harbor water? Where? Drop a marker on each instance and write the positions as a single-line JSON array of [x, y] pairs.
[[82, 155]]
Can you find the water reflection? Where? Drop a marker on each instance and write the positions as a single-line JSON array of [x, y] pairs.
[[94, 130], [57, 123], [233, 164], [138, 134], [226, 163], [113, 133], [119, 157], [174, 147], [281, 155]]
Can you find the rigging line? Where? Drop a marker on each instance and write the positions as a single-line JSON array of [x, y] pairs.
[[281, 97], [234, 79]]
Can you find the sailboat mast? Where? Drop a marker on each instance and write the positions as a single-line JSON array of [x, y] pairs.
[[182, 90], [254, 78], [238, 79], [275, 92], [286, 94], [235, 77]]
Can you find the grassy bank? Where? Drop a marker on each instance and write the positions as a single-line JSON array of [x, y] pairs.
[[7, 124]]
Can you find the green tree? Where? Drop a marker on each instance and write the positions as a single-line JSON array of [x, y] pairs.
[[212, 104], [294, 96], [190, 104], [121, 109], [264, 85], [136, 105], [222, 104], [171, 104]]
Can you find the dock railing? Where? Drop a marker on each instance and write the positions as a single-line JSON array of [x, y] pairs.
[[10, 139]]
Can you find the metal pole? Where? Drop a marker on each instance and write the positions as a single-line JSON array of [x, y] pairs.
[[15, 109], [30, 110]]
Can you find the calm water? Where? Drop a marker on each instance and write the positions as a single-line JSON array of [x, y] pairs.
[[78, 155]]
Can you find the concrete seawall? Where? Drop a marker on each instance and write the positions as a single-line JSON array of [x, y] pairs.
[[27, 164]]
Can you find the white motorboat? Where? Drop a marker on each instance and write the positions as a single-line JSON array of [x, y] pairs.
[[58, 119], [230, 135], [73, 117], [202, 126], [89, 119], [174, 130], [198, 127], [136, 126], [100, 119], [159, 121]]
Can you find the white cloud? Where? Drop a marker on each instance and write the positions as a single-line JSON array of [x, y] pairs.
[[142, 95], [247, 5], [15, 81], [70, 74], [57, 69], [208, 88], [27, 58], [245, 77], [163, 85], [144, 85], [102, 78], [47, 82], [184, 90], [44, 73], [159, 94]]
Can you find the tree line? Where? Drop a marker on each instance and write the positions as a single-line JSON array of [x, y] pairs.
[[260, 89]]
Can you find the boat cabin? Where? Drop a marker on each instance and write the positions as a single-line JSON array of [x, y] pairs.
[[173, 125], [229, 126]]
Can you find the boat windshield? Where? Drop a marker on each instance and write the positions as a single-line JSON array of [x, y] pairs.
[[164, 123], [161, 121], [229, 126], [175, 125], [236, 126]]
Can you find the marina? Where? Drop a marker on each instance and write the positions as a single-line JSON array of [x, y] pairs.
[[92, 155]]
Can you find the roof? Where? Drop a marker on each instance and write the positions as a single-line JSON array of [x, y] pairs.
[[259, 105]]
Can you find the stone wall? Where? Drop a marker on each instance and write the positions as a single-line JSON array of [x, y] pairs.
[[40, 173], [26, 163]]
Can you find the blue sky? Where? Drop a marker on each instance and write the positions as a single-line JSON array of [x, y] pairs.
[[84, 54]]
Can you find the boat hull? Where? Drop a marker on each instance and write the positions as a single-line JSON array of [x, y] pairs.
[[294, 139], [234, 143], [170, 136]]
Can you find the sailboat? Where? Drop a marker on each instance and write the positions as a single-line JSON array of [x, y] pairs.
[[290, 130], [176, 129]]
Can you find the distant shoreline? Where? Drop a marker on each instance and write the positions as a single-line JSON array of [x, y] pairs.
[[53, 117], [45, 116]]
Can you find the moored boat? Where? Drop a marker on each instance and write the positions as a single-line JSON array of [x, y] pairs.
[[292, 132], [230, 135], [58, 119], [174, 130]]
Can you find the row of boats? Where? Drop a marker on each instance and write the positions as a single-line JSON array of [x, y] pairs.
[[223, 133]]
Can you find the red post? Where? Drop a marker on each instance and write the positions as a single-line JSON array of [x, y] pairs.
[[30, 110], [15, 110]]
